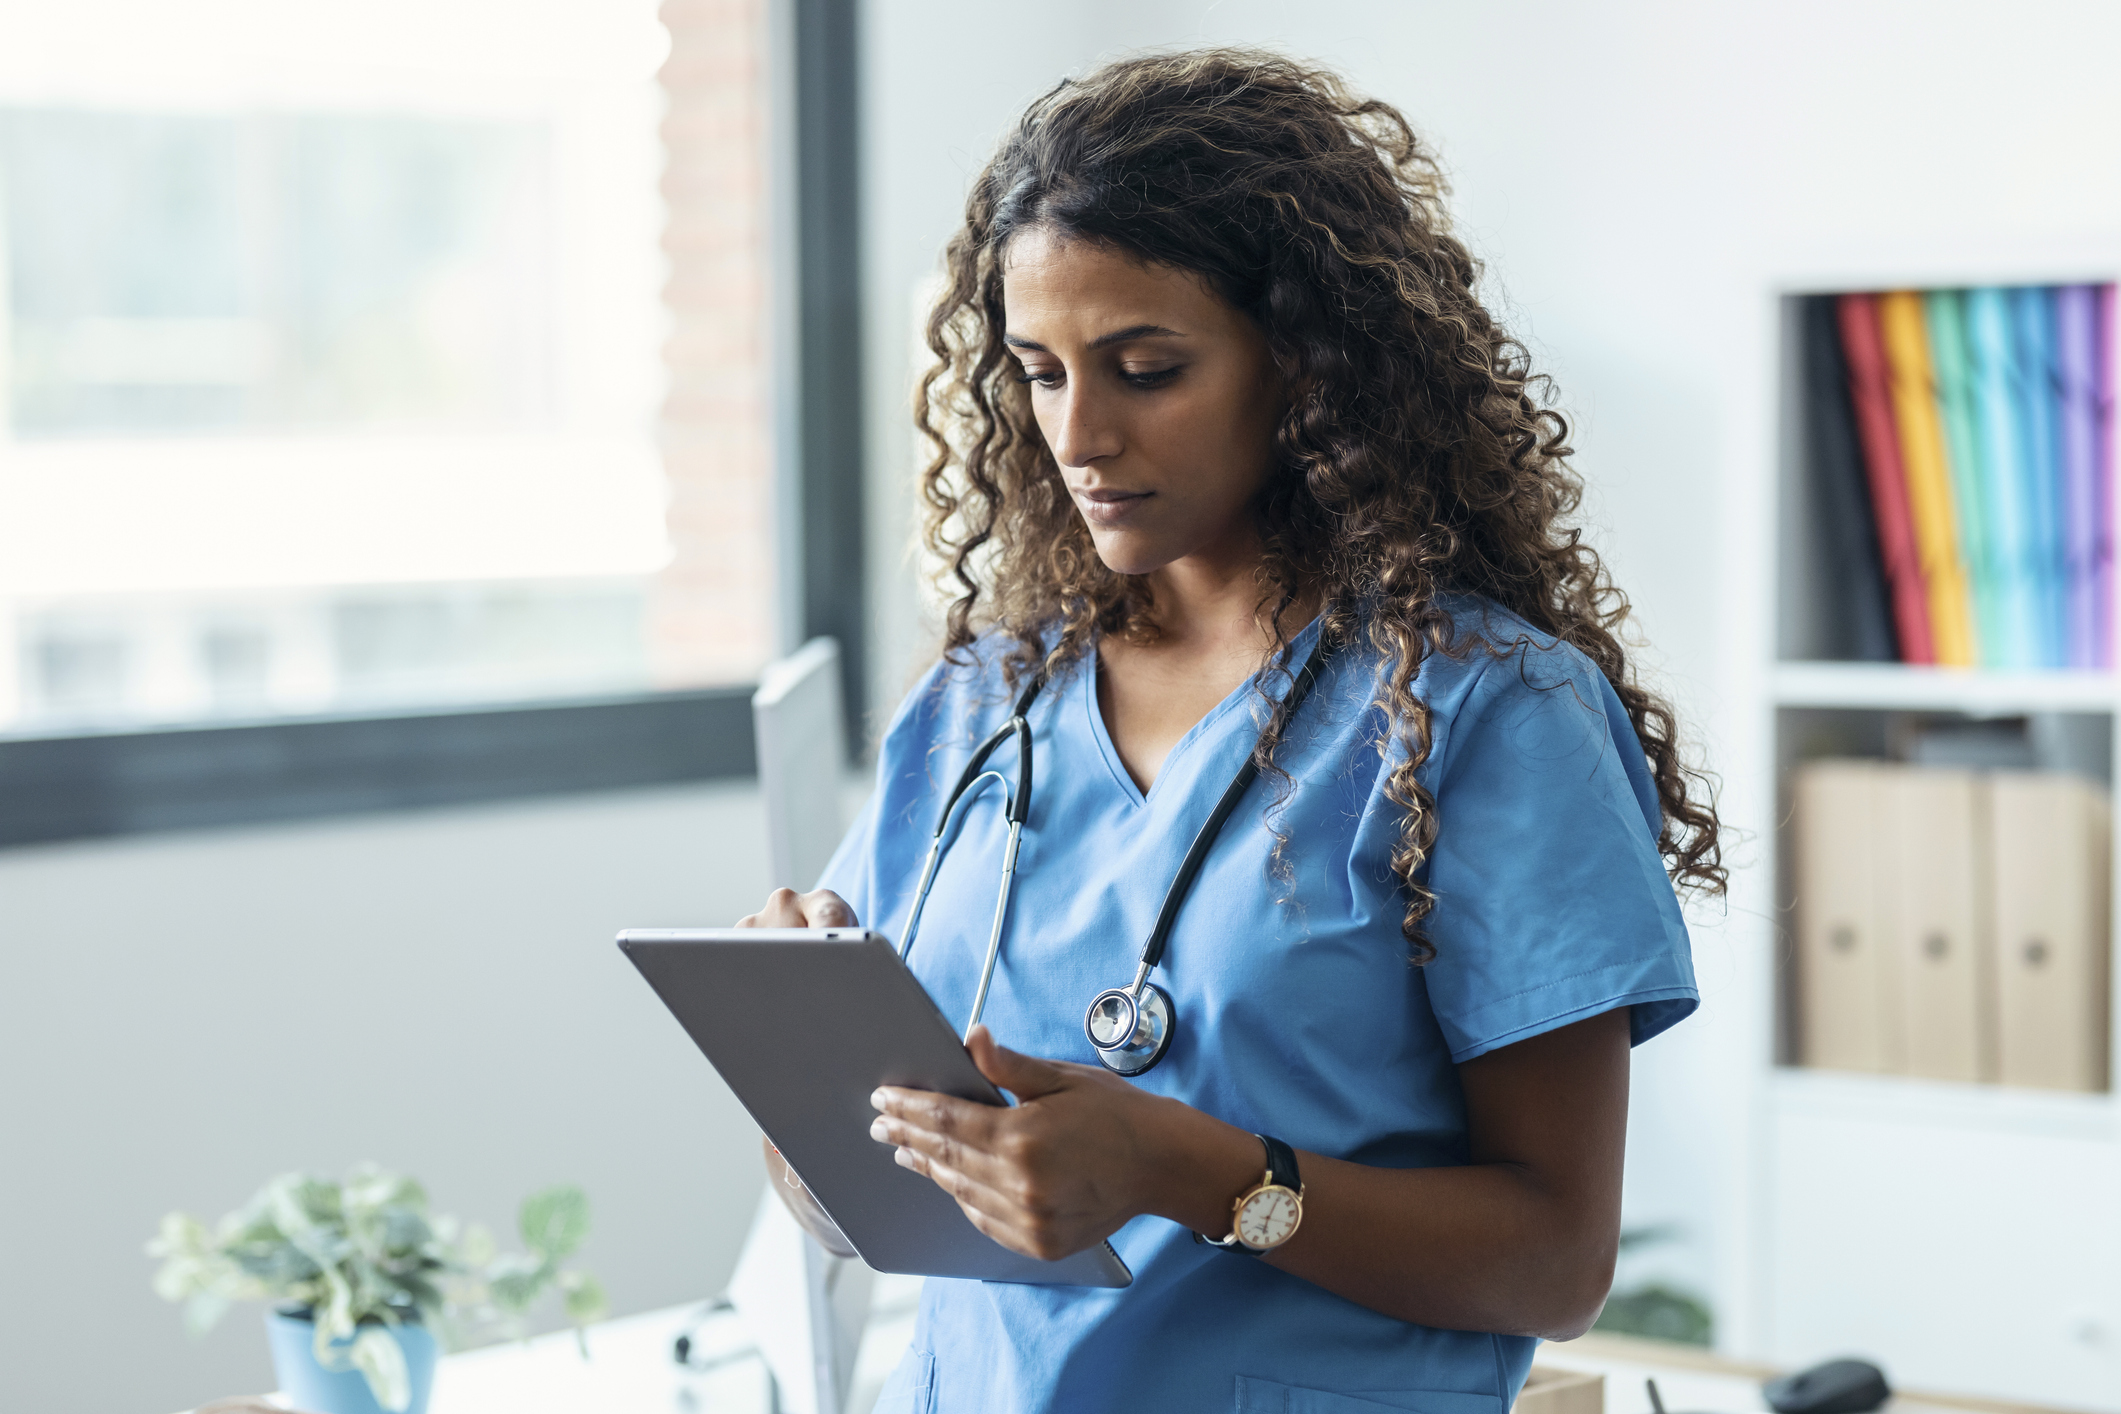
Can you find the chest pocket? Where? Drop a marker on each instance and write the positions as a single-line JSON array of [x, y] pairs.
[[1266, 1397]]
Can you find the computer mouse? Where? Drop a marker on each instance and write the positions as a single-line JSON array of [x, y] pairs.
[[1837, 1387]]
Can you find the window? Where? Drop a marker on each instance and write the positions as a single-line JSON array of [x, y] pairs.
[[275, 272], [331, 344]]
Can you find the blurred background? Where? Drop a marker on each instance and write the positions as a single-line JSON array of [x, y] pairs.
[[421, 422]]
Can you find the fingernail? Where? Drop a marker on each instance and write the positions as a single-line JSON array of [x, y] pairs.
[[876, 1099], [878, 1129], [903, 1158]]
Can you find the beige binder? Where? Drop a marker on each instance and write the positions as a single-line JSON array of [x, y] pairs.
[[1935, 919], [1844, 984], [2052, 879]]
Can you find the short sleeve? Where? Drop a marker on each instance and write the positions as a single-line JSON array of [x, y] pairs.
[[1552, 904]]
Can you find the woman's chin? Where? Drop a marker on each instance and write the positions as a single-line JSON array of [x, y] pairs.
[[1127, 551], [1132, 561]]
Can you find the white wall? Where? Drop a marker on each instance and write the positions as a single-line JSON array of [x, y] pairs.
[[1642, 176], [941, 81], [187, 1015]]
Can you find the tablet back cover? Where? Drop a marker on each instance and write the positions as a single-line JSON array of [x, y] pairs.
[[803, 1025]]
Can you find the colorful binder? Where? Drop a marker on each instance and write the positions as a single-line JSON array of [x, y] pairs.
[[1983, 421], [2015, 553], [2077, 369], [1951, 366], [2103, 484], [1863, 631], [1870, 394], [1929, 480], [2034, 394]]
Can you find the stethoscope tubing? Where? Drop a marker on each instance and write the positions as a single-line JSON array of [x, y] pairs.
[[1018, 810]]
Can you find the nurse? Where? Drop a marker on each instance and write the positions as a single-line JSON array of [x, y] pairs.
[[1213, 384]]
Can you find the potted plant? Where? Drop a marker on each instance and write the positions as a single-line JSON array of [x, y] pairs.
[[364, 1283]]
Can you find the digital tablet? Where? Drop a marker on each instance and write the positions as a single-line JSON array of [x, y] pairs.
[[803, 1023]]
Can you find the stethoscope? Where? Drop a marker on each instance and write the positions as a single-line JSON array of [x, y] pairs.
[[1130, 1026]]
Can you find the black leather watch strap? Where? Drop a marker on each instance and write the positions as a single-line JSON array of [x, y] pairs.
[[1281, 1163]]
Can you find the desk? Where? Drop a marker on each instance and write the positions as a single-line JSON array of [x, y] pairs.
[[630, 1371]]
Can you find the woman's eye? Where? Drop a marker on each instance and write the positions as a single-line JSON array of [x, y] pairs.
[[1154, 378], [1045, 378]]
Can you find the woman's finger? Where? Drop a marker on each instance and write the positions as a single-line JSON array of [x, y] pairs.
[[971, 1154], [958, 1132], [990, 1204], [822, 908], [785, 908]]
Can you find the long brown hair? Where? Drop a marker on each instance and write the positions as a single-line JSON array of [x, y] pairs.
[[1418, 455]]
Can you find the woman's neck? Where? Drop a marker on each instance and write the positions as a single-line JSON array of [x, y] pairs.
[[1213, 632], [1212, 604]]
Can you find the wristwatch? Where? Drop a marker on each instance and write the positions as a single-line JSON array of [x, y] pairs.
[[1267, 1214]]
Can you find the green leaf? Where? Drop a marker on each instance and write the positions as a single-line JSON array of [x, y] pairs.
[[585, 1298], [381, 1361], [181, 1235], [554, 1221], [516, 1281], [478, 1247], [203, 1311]]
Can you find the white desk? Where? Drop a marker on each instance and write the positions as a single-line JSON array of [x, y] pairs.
[[631, 1368], [631, 1371]]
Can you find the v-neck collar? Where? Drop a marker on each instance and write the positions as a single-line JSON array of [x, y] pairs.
[[1299, 647]]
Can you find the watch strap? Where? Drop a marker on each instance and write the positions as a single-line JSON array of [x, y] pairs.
[[1281, 1164]]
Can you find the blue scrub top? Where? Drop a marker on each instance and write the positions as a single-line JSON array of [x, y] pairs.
[[1298, 1011]]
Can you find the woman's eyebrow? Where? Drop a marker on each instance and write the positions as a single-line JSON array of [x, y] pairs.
[[1117, 336]]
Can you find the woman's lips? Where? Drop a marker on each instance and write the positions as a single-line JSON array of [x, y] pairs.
[[1107, 507]]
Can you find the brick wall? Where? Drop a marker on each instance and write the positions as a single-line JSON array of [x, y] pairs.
[[711, 612]]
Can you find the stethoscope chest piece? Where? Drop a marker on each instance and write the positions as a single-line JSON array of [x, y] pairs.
[[1130, 1030]]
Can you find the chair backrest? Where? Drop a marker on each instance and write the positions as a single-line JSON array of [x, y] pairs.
[[801, 723]]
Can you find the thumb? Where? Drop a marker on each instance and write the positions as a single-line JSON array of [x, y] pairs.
[[1026, 1077]]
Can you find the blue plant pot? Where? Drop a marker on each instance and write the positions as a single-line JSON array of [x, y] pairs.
[[309, 1386]]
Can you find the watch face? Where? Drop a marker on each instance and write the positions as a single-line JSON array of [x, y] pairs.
[[1268, 1217]]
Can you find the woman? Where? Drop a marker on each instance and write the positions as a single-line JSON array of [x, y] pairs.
[[1214, 386]]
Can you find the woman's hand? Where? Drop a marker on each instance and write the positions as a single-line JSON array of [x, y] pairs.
[[1518, 1240], [1080, 1153], [785, 908]]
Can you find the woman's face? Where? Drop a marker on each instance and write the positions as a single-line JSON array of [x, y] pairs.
[[1157, 398]]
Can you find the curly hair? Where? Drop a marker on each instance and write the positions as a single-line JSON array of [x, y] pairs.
[[1418, 454]]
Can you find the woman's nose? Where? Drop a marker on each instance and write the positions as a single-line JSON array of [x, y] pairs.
[[1080, 428]]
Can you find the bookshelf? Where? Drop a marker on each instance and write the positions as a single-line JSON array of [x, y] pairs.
[[1968, 1235]]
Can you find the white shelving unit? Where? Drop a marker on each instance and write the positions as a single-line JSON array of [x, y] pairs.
[[1968, 1236], [1893, 687]]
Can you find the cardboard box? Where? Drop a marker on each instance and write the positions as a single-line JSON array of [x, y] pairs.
[[1551, 1391]]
